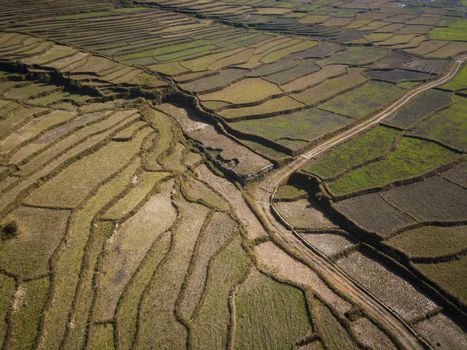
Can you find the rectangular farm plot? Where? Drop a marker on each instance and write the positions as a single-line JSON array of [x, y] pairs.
[[356, 56], [398, 75], [431, 241], [246, 91], [405, 299], [370, 145], [449, 275], [293, 131], [413, 157], [448, 126], [420, 107], [454, 31], [434, 199], [374, 214], [75, 182], [306, 67], [331, 87], [458, 83], [268, 108], [315, 78], [364, 101]]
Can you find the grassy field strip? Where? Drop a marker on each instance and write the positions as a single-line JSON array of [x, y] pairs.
[[27, 257], [101, 336], [106, 124], [126, 314], [20, 189], [124, 251], [66, 261], [330, 88], [164, 140], [333, 334], [260, 295], [215, 234], [370, 145], [138, 191], [158, 324], [430, 243], [74, 335], [411, 159], [24, 316], [80, 184], [7, 292], [213, 323], [198, 191], [303, 83], [33, 130]]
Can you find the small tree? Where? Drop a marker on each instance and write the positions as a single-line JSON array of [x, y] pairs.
[[9, 230]]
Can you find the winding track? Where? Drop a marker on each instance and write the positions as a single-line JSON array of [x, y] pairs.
[[263, 193]]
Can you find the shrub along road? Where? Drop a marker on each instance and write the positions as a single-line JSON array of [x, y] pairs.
[[263, 194]]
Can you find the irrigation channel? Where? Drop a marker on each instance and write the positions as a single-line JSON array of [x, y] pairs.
[[263, 195]]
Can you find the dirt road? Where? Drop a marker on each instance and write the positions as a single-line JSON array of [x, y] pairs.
[[263, 192]]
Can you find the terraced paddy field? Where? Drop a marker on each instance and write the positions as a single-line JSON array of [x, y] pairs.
[[393, 204], [133, 134]]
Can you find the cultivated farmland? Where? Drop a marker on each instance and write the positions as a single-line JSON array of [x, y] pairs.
[[232, 174]]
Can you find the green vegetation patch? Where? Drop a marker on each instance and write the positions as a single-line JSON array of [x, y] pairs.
[[101, 336], [431, 241], [281, 53], [450, 276], [7, 291], [246, 91], [289, 191], [74, 183], [87, 15], [363, 101], [39, 232], [413, 157], [127, 310], [454, 31], [141, 186], [30, 298], [333, 333], [296, 130], [459, 82], [67, 264], [269, 312], [210, 324], [275, 105], [367, 146], [448, 126], [418, 108], [358, 55]]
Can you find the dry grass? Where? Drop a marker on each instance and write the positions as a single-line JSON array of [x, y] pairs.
[[158, 326], [141, 185], [125, 250], [219, 230], [269, 314], [209, 328], [66, 264], [303, 214], [75, 182], [245, 91], [39, 233]]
